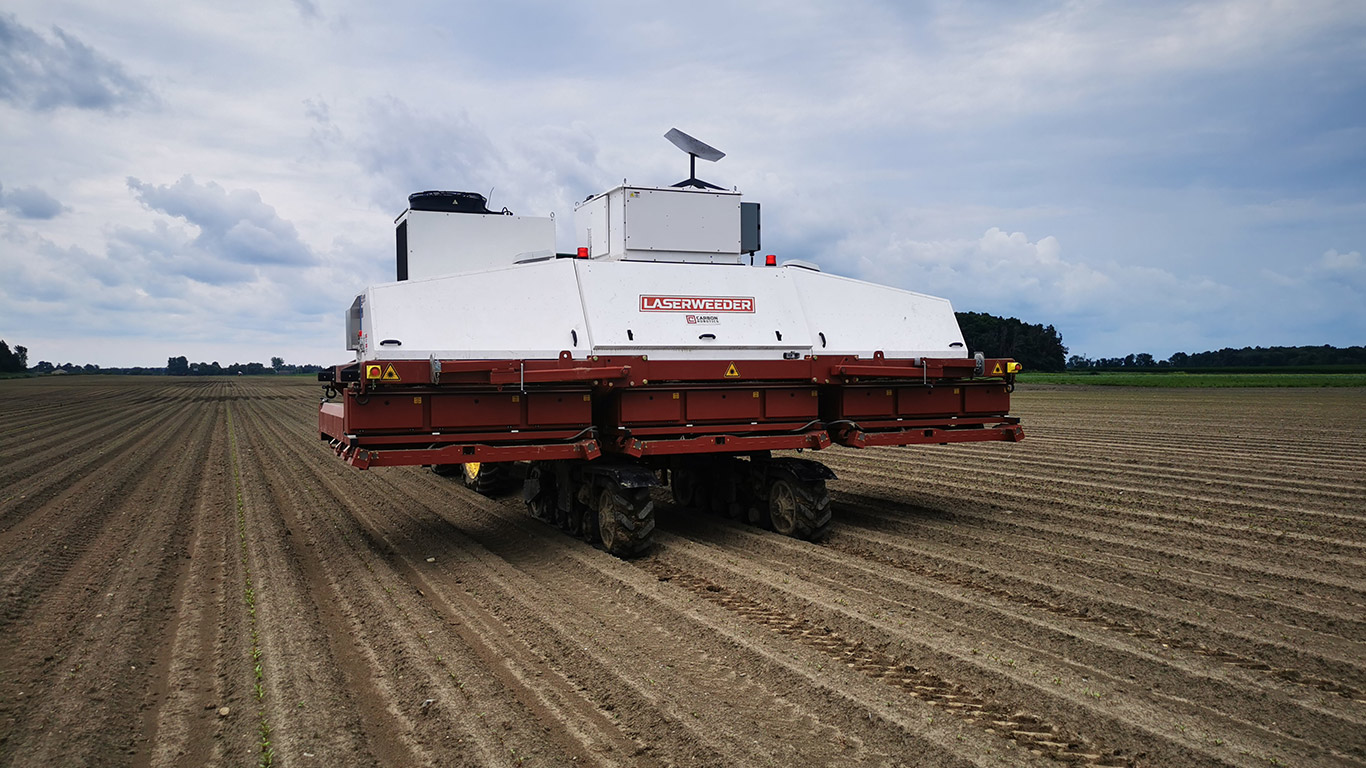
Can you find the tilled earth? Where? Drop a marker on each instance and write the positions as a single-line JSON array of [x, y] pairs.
[[1153, 578]]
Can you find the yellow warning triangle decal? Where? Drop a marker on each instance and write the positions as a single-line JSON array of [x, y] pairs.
[[390, 374], [994, 371], [732, 372]]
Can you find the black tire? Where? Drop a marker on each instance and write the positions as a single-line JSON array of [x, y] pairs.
[[625, 520], [447, 470], [487, 479], [797, 509]]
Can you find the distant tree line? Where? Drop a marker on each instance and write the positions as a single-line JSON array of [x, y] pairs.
[[17, 362], [13, 361], [180, 366], [1247, 357], [1037, 347]]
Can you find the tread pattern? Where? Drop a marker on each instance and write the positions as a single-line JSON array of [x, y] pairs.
[[493, 480], [633, 520]]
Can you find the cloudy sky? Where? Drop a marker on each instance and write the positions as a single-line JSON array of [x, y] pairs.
[[217, 180]]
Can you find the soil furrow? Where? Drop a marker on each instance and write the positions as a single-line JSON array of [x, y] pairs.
[[1015, 671], [451, 672], [1329, 616], [1093, 533], [1034, 635], [1138, 615], [1133, 515], [48, 543], [1150, 579], [116, 600]]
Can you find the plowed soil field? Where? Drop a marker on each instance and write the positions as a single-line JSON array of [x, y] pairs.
[[1153, 578]]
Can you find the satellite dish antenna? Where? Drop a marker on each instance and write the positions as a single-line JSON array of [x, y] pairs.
[[695, 149]]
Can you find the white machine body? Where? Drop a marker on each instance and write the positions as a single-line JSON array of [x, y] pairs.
[[663, 278]]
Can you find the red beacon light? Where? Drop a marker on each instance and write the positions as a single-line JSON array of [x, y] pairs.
[[583, 252], [771, 260]]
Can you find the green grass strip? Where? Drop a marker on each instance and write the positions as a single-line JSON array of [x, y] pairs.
[[266, 755], [1181, 379]]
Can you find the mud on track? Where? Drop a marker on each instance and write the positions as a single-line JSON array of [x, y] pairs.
[[188, 577]]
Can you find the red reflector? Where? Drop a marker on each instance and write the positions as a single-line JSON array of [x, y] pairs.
[[583, 253], [771, 260]]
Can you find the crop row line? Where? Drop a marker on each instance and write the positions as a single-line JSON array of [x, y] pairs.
[[266, 754], [1028, 731]]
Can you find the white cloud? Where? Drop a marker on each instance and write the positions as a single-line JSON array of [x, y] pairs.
[[1115, 171], [31, 203], [233, 226], [1342, 262], [61, 71]]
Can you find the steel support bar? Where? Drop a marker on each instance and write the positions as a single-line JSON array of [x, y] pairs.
[[793, 427], [554, 375], [891, 371], [1012, 433], [382, 441], [814, 440], [959, 422], [363, 458]]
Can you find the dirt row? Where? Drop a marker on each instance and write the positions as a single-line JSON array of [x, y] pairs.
[[1151, 579]]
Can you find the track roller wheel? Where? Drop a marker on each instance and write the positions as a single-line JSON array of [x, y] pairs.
[[582, 520], [625, 519], [797, 509], [686, 485], [539, 493], [485, 478], [570, 519]]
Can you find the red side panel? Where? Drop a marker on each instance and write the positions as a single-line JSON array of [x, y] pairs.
[[650, 407], [856, 402], [553, 409], [386, 412], [486, 409], [724, 405], [793, 404], [451, 411], [929, 401], [990, 398], [331, 420]]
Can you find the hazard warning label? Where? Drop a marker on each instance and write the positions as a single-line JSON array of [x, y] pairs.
[[732, 372], [390, 374], [997, 370]]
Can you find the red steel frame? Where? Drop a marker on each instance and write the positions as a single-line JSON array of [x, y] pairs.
[[405, 412]]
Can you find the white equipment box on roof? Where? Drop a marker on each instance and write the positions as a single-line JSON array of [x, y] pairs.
[[443, 233], [661, 224]]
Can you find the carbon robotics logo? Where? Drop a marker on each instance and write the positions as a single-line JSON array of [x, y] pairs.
[[697, 304]]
